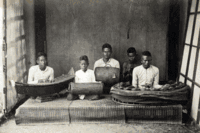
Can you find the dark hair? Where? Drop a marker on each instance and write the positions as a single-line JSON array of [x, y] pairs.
[[131, 50], [41, 54], [85, 58], [146, 53], [106, 45]]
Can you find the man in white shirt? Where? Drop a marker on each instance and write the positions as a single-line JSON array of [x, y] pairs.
[[106, 61], [146, 74], [40, 73]]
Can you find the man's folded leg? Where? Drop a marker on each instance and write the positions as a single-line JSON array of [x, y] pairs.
[[92, 97], [33, 97], [71, 97]]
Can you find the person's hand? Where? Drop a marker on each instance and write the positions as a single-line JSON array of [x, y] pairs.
[[148, 85], [125, 84], [142, 87], [157, 87], [121, 83], [165, 87], [51, 81], [45, 81], [41, 81]]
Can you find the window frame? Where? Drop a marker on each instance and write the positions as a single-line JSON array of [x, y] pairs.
[[191, 46], [195, 86]]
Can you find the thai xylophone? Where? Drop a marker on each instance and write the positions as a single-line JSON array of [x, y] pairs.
[[42, 89]]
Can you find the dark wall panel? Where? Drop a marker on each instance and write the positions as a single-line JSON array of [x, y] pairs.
[[40, 25]]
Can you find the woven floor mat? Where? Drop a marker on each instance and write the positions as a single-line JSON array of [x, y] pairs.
[[171, 114], [98, 111], [33, 112], [62, 111]]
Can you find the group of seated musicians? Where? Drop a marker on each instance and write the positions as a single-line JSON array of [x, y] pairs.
[[137, 76]]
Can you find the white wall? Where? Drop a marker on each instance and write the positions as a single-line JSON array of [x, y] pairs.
[[20, 45], [1, 53]]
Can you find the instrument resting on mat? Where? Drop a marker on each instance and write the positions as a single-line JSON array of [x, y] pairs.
[[130, 95], [86, 88], [42, 89]]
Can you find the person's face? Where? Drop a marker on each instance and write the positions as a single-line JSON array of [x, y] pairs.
[[42, 62], [131, 57], [106, 53], [83, 65], [146, 61]]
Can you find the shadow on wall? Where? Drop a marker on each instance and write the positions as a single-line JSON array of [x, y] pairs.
[[176, 34], [173, 39]]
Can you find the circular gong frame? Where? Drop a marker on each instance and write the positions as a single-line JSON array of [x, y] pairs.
[[124, 103]]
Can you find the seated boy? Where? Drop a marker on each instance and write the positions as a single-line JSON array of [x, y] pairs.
[[128, 66], [84, 75], [41, 73]]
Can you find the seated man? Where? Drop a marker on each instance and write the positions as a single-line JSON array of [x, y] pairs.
[[84, 75], [146, 74], [106, 61], [128, 66], [41, 73]]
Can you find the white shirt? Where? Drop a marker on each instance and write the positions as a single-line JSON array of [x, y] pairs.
[[110, 63], [84, 77], [35, 74], [141, 76]]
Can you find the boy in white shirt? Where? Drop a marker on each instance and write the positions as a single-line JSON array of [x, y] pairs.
[[84, 75]]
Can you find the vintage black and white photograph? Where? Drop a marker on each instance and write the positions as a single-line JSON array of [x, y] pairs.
[[95, 66]]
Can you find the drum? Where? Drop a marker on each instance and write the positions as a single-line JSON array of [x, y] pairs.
[[86, 88], [108, 75]]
